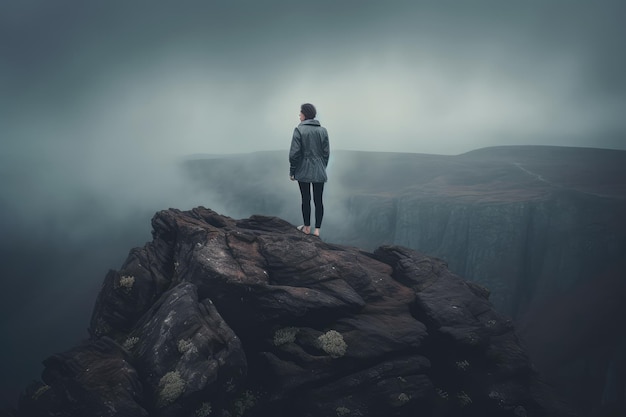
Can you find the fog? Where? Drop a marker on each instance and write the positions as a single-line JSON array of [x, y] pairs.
[[100, 102]]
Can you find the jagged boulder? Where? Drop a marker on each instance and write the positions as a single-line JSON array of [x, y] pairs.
[[226, 317]]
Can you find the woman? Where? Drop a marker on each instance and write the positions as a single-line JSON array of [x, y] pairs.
[[308, 158]]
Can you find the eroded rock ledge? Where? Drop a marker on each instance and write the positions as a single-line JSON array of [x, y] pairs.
[[224, 317]]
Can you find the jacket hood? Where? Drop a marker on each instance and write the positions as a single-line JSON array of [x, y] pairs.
[[310, 122]]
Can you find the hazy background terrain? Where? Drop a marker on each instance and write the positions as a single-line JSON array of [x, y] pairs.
[[99, 103]]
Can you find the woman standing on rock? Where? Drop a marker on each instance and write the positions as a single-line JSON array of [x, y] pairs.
[[308, 158]]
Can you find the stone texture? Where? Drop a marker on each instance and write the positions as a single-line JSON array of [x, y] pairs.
[[254, 318]]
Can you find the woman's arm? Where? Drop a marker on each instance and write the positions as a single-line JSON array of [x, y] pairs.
[[295, 153], [325, 148]]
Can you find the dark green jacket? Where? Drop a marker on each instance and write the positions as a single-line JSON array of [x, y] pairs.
[[309, 153]]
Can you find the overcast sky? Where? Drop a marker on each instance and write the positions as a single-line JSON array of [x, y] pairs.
[[228, 75]]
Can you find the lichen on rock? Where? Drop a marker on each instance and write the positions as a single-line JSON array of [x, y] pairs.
[[285, 335], [332, 343], [171, 386]]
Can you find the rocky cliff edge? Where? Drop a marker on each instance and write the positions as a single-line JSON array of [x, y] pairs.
[[224, 317]]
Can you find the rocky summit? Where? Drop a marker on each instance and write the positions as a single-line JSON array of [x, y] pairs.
[[224, 317]]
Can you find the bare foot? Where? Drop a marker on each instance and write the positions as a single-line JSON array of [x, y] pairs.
[[304, 229], [317, 232]]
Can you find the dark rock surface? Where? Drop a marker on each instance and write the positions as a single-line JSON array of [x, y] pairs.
[[227, 317]]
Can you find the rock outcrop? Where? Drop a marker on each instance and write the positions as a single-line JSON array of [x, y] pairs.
[[225, 317]]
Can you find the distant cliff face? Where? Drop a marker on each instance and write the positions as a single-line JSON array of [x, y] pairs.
[[523, 251], [251, 317]]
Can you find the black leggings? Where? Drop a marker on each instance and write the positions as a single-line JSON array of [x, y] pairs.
[[305, 191]]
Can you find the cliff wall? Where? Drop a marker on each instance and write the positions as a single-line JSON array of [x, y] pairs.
[[524, 251]]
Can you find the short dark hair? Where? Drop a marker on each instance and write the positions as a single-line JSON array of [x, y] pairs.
[[308, 110]]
